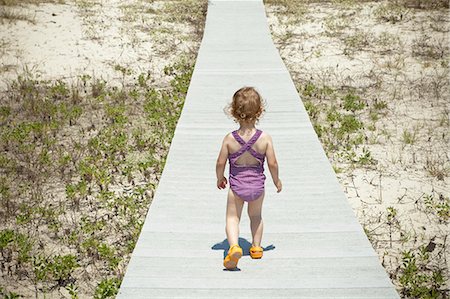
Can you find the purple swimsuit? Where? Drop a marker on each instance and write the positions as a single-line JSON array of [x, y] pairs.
[[247, 182]]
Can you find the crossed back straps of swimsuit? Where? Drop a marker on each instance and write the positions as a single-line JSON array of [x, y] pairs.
[[247, 146]]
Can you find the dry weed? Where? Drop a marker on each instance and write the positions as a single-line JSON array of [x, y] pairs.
[[20, 2], [14, 14]]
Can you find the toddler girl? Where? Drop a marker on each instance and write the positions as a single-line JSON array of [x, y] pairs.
[[245, 149]]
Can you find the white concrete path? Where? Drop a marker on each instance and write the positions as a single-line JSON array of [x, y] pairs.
[[315, 247]]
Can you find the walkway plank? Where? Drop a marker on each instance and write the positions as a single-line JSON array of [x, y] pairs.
[[314, 245]]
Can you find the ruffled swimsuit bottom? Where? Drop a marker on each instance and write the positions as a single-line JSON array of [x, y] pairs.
[[247, 183]]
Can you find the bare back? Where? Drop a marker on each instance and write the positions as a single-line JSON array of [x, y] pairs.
[[247, 159]]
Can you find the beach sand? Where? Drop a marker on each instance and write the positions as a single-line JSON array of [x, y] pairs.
[[397, 63], [101, 53]]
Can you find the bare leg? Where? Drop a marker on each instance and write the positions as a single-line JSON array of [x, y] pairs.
[[233, 217], [256, 223]]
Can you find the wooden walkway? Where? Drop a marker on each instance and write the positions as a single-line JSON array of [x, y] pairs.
[[315, 247]]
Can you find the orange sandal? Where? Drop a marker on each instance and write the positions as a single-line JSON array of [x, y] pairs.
[[233, 256], [256, 252]]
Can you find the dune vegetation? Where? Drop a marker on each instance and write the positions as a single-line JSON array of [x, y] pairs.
[[81, 155], [374, 78]]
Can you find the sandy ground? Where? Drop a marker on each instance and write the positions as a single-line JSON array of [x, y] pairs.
[[406, 65], [112, 40], [65, 41]]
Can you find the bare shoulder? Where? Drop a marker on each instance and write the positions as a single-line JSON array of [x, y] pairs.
[[266, 137], [266, 140], [228, 138]]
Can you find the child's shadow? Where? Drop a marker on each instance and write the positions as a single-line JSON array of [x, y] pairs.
[[243, 243]]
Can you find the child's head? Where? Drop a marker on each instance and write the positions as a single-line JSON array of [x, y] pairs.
[[247, 105]]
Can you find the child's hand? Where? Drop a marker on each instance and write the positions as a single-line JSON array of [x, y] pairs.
[[222, 183], [279, 186]]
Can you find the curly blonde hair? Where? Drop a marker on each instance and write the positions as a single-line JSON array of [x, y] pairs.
[[247, 105]]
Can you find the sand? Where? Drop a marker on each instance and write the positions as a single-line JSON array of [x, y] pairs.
[[406, 65], [114, 41], [65, 41]]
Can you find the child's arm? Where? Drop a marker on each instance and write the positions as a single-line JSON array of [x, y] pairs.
[[220, 165], [273, 164]]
